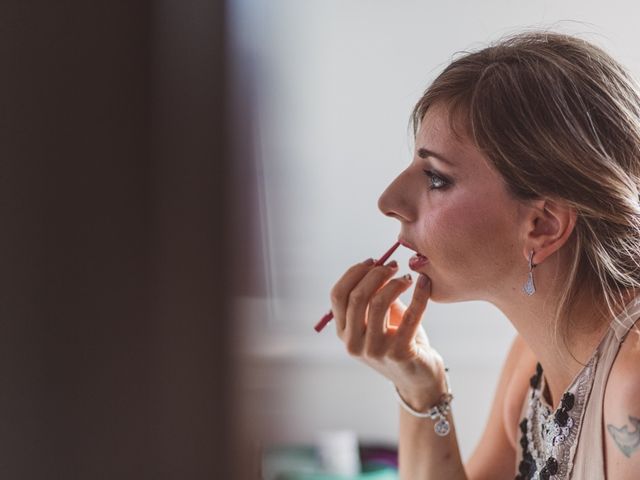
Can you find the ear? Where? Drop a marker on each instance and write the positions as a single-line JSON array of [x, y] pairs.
[[548, 225]]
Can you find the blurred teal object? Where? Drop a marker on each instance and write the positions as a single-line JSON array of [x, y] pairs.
[[301, 463]]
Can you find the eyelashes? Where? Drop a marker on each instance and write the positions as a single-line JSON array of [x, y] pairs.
[[436, 181]]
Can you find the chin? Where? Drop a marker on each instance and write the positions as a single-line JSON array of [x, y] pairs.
[[440, 295]]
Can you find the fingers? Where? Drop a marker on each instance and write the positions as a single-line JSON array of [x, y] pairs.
[[375, 338], [365, 297], [358, 304], [342, 288], [413, 314]]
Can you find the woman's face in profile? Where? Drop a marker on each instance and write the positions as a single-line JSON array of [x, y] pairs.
[[455, 210]]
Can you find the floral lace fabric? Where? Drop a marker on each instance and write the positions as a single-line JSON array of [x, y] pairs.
[[549, 437]]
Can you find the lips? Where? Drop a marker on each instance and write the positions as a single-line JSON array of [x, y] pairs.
[[404, 243], [418, 260]]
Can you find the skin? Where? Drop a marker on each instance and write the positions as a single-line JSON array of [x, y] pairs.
[[627, 438], [622, 411], [477, 237]]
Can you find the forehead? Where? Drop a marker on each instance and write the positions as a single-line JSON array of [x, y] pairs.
[[437, 134]]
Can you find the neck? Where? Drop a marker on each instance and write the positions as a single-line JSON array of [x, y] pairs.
[[534, 319]]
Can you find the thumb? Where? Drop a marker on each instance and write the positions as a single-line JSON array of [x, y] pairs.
[[396, 312], [413, 314]]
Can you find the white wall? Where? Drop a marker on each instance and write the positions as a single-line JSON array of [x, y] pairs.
[[334, 82]]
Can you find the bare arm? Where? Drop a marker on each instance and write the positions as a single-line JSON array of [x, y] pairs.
[[424, 455], [621, 411]]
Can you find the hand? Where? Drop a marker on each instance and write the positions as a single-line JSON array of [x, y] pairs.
[[377, 328]]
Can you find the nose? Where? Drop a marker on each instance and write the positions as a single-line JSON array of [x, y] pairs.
[[394, 201]]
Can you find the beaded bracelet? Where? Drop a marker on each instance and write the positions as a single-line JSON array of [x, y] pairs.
[[438, 411]]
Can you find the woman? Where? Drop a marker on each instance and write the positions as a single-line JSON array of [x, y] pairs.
[[523, 192]]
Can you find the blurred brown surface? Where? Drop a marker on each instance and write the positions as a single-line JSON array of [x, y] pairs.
[[115, 327]]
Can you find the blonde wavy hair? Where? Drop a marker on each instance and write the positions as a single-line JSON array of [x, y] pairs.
[[558, 118]]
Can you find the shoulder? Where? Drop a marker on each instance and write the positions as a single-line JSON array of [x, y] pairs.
[[622, 411], [519, 366], [495, 453]]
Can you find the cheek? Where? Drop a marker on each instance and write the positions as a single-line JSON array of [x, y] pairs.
[[472, 234]]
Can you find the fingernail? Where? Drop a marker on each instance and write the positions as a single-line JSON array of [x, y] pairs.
[[407, 278], [368, 261], [392, 264], [423, 280]]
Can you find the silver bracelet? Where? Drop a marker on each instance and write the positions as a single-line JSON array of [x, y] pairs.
[[438, 411]]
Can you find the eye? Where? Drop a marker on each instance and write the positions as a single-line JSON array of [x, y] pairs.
[[437, 181]]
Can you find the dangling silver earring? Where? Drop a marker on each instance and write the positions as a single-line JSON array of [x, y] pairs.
[[529, 288]]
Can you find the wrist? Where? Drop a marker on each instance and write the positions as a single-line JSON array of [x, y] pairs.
[[438, 410], [424, 398]]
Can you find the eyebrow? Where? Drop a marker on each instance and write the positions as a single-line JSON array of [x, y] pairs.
[[424, 153]]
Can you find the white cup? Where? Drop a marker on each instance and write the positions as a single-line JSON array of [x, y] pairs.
[[338, 452]]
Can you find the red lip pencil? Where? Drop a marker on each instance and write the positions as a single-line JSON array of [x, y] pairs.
[[327, 318]]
